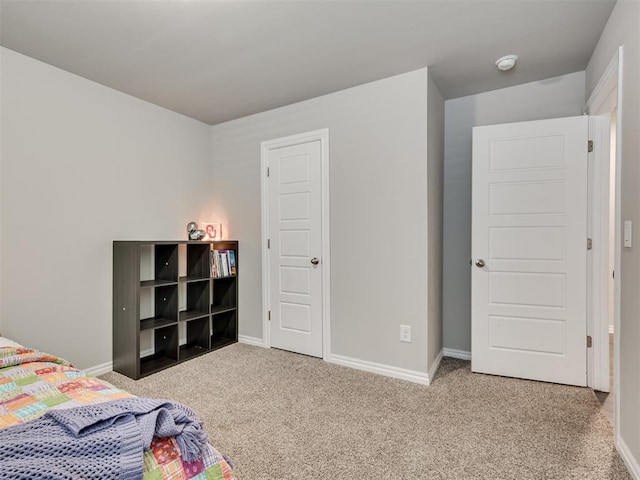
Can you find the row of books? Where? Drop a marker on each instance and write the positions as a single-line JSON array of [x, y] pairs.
[[223, 263]]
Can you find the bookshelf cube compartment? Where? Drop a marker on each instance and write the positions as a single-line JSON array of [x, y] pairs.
[[197, 339], [147, 263], [225, 257], [197, 300], [166, 302], [165, 351], [224, 292], [198, 296], [224, 329], [166, 262], [198, 261]]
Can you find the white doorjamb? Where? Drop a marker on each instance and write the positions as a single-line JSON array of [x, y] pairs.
[[598, 261], [606, 97], [323, 137]]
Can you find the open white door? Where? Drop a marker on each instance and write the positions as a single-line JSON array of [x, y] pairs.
[[529, 249]]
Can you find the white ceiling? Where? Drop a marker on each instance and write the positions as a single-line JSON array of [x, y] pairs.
[[219, 60]]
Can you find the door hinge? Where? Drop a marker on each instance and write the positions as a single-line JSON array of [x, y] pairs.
[[590, 146], [268, 243], [270, 172], [589, 341], [613, 274], [269, 315], [589, 244]]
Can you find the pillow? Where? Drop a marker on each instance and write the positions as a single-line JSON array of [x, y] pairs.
[[5, 342]]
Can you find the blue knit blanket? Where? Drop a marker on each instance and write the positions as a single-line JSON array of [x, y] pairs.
[[103, 441]]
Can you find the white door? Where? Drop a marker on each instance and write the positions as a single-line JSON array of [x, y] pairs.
[[529, 249], [295, 233]]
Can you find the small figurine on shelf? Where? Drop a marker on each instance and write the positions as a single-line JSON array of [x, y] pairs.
[[193, 232]]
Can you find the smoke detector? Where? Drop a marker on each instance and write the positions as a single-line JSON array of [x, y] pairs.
[[507, 62]]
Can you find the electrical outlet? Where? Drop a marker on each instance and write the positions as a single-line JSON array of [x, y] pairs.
[[405, 333]]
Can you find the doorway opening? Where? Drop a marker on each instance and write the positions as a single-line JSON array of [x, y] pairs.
[[605, 106]]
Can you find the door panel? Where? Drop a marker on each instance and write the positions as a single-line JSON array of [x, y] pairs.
[[295, 208], [529, 226], [526, 334]]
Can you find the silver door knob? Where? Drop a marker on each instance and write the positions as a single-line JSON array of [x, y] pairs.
[[315, 261], [480, 263]]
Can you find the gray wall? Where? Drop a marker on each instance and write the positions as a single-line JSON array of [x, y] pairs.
[[82, 165], [435, 190], [623, 28], [378, 189], [556, 97]]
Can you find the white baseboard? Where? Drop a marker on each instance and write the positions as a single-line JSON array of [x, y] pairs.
[[147, 352], [453, 353], [108, 366], [96, 370], [434, 368], [629, 460], [610, 328], [256, 342], [381, 369]]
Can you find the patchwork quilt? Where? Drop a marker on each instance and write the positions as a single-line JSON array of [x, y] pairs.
[[32, 383]]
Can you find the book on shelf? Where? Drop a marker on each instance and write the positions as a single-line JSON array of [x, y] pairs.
[[232, 262], [214, 264], [223, 263]]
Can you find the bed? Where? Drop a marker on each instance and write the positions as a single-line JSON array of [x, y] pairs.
[[39, 390]]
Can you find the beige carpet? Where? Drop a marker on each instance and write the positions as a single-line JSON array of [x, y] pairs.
[[279, 415]]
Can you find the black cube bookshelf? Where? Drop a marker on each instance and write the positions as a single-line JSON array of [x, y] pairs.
[[208, 321]]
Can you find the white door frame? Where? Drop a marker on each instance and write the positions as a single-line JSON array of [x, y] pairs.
[[598, 261], [323, 137], [606, 96]]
